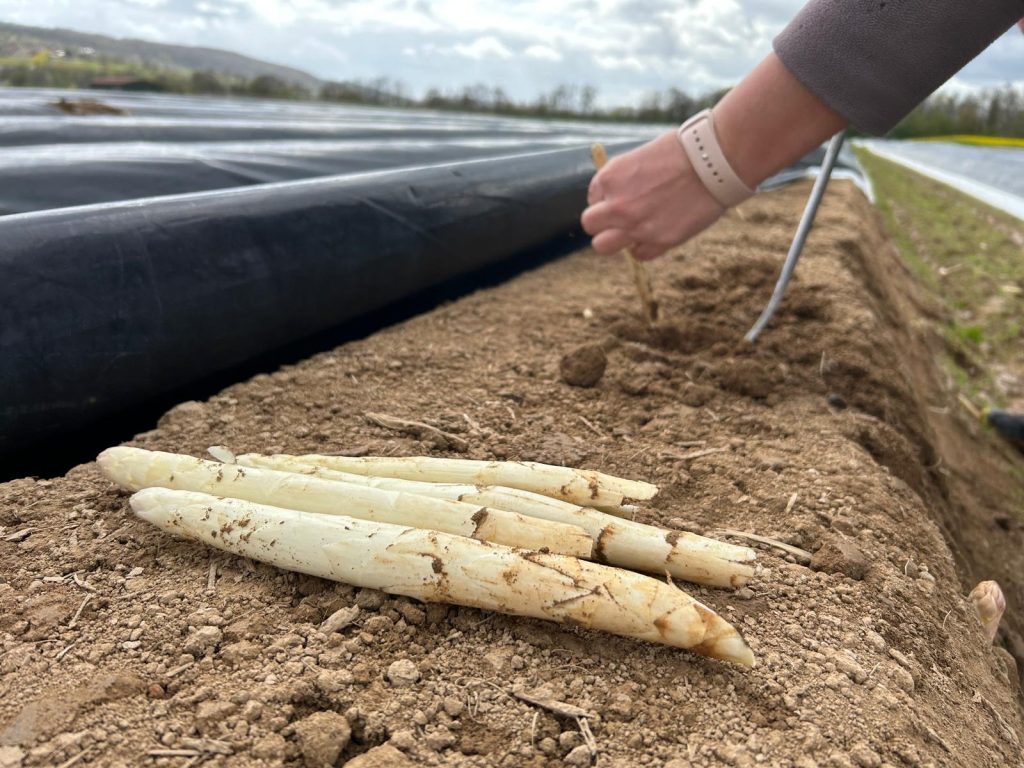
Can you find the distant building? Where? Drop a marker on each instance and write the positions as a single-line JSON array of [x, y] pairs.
[[125, 83]]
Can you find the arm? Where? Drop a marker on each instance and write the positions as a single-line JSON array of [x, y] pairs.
[[875, 60], [865, 62], [651, 199]]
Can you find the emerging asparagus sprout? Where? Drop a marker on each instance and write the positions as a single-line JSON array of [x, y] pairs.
[[989, 603]]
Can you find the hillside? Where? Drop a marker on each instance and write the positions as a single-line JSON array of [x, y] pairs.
[[20, 40]]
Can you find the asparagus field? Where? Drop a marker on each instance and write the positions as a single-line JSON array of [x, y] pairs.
[[356, 582]]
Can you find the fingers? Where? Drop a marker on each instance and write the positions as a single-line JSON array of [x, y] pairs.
[[605, 215], [648, 199], [648, 251], [612, 241]]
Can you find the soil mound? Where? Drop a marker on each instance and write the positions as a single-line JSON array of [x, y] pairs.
[[834, 434]]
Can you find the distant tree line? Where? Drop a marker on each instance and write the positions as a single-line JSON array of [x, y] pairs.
[[994, 112], [41, 71], [563, 101]]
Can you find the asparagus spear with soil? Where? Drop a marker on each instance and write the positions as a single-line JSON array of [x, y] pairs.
[[616, 541], [432, 566], [584, 487], [135, 468]]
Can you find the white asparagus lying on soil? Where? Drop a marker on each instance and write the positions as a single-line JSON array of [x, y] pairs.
[[584, 487], [437, 567], [135, 468], [617, 542]]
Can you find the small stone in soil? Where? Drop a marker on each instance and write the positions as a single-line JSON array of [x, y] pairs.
[[403, 673], [404, 740], [270, 748], [453, 706], [203, 638], [837, 402], [384, 756], [584, 366], [865, 757], [569, 739], [340, 619], [580, 756], [440, 739], [321, 737], [11, 757], [840, 556]]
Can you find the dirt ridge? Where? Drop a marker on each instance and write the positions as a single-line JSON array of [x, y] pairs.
[[823, 436]]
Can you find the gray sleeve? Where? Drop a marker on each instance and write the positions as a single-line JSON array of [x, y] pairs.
[[873, 61]]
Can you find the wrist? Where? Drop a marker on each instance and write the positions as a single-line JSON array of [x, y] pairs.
[[700, 143], [769, 121]]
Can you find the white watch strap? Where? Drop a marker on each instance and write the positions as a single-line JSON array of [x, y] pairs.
[[697, 135]]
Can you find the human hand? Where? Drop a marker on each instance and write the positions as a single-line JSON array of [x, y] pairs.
[[649, 200]]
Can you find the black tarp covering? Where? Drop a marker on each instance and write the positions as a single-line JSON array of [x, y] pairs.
[[40, 181], [49, 179], [166, 144], [103, 306]]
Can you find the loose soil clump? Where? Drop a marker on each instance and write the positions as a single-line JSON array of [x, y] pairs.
[[584, 366], [122, 646]]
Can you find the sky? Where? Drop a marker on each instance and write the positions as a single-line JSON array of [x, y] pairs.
[[624, 48]]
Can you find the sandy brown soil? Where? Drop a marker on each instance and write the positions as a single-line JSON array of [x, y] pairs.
[[833, 434]]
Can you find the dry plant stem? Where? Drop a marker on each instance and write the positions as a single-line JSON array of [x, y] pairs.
[[134, 469], [616, 541], [970, 407], [584, 487], [440, 438], [437, 567], [553, 705], [800, 554], [641, 277]]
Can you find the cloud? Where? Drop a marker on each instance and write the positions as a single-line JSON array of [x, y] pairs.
[[542, 52], [483, 48], [625, 48]]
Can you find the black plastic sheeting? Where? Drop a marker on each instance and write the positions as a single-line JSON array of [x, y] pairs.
[[44, 180], [38, 181], [169, 145], [103, 306], [152, 281]]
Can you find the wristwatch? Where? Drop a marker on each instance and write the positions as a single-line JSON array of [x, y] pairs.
[[700, 142]]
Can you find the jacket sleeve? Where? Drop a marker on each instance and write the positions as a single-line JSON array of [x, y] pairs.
[[873, 61]]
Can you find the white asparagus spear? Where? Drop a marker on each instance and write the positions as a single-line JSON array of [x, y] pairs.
[[584, 487], [437, 567], [616, 541], [135, 468]]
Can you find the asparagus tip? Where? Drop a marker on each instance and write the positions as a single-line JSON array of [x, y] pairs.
[[721, 639], [222, 454], [732, 648], [146, 504]]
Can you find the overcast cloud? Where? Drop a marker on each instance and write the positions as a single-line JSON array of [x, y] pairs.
[[625, 48]]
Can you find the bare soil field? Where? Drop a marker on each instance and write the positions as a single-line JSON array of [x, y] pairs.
[[122, 646]]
